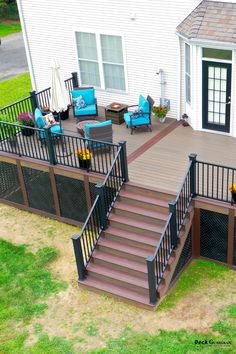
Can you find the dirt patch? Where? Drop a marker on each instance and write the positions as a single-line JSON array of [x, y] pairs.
[[91, 319]]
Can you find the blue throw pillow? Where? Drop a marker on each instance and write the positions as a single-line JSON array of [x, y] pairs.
[[79, 102], [136, 113]]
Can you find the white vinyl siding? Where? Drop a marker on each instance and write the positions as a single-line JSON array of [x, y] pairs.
[[149, 42], [187, 73], [101, 60]]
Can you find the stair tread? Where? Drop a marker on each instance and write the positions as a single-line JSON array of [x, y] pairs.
[[131, 236], [121, 261], [144, 198], [117, 290], [117, 275], [141, 211], [136, 223], [124, 248]]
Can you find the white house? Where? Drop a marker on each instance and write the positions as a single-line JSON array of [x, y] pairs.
[[183, 51]]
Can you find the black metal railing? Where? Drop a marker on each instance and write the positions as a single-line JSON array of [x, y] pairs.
[[35, 99], [85, 243], [178, 208], [213, 181], [61, 149], [22, 140], [10, 113], [102, 153]]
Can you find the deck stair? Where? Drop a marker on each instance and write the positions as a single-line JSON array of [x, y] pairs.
[[118, 265]]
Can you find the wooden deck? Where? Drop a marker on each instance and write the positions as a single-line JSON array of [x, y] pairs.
[[158, 159]]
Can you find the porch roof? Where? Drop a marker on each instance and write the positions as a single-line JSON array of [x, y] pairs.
[[211, 20]]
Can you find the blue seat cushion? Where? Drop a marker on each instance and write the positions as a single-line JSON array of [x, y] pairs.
[[88, 110], [55, 129], [141, 120], [39, 118], [88, 95]]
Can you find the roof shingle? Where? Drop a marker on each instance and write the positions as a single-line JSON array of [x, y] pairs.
[[213, 20]]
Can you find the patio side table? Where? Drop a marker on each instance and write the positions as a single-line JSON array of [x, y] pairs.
[[115, 112]]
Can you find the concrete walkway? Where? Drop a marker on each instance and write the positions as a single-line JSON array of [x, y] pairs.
[[12, 56]]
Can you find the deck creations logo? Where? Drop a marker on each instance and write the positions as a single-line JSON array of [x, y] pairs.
[[212, 342]]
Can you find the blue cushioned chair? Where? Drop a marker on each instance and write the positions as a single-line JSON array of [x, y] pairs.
[[90, 108], [54, 129], [142, 116], [99, 131]]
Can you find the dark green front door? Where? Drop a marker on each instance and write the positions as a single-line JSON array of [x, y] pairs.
[[216, 96]]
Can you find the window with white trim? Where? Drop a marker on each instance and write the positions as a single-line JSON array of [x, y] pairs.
[[101, 61], [187, 74]]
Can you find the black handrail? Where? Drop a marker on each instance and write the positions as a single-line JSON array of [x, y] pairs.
[[85, 243], [158, 262]]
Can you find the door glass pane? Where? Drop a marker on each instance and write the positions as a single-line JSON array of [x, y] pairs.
[[222, 119], [222, 108], [223, 85], [223, 96], [216, 107], [216, 118], [210, 117], [217, 96], [210, 106], [211, 83], [217, 84], [217, 73], [223, 73]]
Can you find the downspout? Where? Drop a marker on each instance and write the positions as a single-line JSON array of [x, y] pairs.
[[179, 74], [26, 42]]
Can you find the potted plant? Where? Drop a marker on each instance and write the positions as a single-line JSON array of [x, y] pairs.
[[232, 189], [160, 112], [84, 156], [26, 119]]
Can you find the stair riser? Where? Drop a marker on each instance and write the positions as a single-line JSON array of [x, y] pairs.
[[132, 302], [134, 229], [128, 242], [118, 283], [135, 273], [144, 205], [149, 193], [132, 257], [139, 217]]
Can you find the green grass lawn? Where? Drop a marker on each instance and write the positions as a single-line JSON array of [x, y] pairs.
[[25, 284], [9, 27], [14, 89]]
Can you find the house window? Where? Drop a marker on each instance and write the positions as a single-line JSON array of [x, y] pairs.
[[101, 60], [187, 74]]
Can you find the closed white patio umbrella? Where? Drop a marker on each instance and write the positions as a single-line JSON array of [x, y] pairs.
[[59, 100]]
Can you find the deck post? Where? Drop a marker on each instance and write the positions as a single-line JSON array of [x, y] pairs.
[[33, 99], [173, 223], [124, 161], [102, 205], [193, 158], [79, 256], [49, 143], [151, 279], [75, 81]]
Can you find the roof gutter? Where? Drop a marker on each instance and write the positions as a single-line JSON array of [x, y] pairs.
[[26, 42], [207, 42]]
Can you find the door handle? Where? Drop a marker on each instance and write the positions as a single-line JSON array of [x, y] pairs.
[[229, 101]]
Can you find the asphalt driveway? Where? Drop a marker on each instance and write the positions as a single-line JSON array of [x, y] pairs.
[[12, 56]]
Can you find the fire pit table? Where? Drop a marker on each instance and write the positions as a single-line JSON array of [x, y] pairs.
[[115, 112]]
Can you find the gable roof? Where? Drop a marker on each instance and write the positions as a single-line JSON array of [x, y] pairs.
[[211, 20]]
